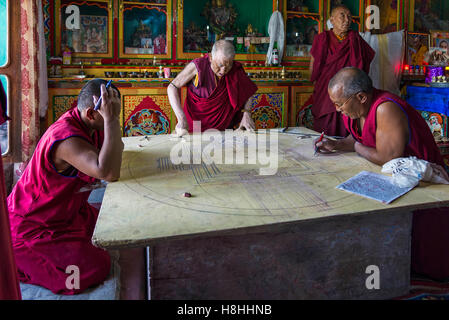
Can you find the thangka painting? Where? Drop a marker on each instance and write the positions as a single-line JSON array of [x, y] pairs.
[[92, 37], [94, 32], [431, 15]]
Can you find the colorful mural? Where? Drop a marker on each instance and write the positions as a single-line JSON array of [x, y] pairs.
[[146, 115], [267, 110]]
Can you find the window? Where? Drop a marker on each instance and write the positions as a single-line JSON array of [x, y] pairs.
[[10, 78], [4, 128]]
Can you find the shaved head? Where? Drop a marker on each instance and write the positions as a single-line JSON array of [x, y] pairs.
[[224, 48], [339, 7], [350, 81]]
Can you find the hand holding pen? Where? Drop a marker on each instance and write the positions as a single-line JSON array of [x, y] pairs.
[[325, 143], [109, 103], [317, 141], [98, 104]]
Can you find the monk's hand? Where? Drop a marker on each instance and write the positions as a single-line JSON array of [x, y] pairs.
[[110, 103], [247, 123], [182, 128], [325, 145]]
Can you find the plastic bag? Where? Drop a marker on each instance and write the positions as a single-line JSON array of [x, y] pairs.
[[407, 172]]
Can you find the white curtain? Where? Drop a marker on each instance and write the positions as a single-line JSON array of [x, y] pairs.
[[276, 32], [386, 67], [42, 62]]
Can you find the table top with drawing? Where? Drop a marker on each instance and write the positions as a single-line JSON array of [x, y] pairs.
[[234, 189]]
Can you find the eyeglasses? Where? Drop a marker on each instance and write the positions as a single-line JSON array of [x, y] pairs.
[[339, 106]]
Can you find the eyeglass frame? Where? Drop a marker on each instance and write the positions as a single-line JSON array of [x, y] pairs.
[[351, 96]]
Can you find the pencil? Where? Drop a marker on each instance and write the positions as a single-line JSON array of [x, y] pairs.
[[319, 140], [98, 104]]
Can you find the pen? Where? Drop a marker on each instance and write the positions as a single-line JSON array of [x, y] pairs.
[[319, 140], [97, 105]]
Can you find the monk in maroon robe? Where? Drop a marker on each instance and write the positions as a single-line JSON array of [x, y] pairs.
[[331, 51], [51, 221], [383, 127], [218, 92]]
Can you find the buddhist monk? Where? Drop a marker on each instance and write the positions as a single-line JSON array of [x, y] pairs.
[[218, 92], [51, 220], [331, 51], [383, 127]]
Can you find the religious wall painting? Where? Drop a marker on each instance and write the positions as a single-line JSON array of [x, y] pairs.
[[418, 45], [430, 15], [388, 10], [93, 35], [437, 123], [221, 17], [60, 105], [146, 115], [267, 110], [86, 30]]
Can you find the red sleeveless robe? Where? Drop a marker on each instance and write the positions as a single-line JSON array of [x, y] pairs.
[[430, 236], [51, 220], [217, 102]]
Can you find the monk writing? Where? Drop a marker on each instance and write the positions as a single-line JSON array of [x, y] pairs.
[[331, 51], [51, 220], [383, 127], [218, 92]]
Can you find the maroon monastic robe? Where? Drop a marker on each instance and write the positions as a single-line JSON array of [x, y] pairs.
[[430, 236], [329, 57], [51, 221], [217, 102]]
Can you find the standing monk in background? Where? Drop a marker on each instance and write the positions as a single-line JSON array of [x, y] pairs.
[[331, 51], [218, 92]]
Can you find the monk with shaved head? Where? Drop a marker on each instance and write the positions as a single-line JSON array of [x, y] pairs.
[[383, 127], [218, 92], [332, 50]]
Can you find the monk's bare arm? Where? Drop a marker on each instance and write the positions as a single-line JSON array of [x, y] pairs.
[[392, 135], [101, 164], [182, 79]]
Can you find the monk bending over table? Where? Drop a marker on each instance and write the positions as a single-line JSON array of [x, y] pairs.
[[383, 127], [51, 220], [218, 92], [331, 51]]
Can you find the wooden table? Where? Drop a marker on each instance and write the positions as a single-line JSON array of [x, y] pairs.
[[242, 235]]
